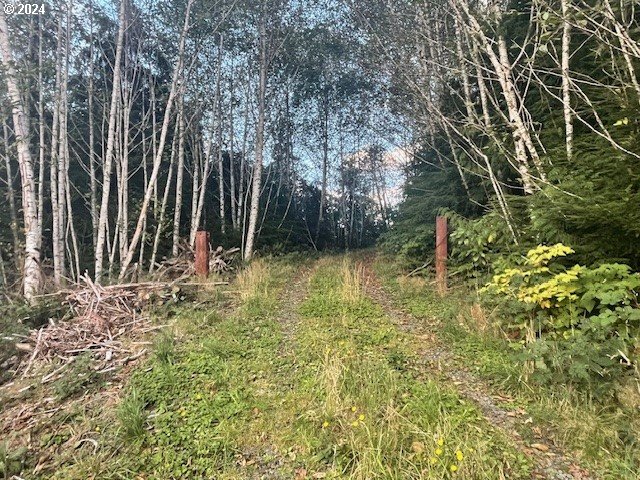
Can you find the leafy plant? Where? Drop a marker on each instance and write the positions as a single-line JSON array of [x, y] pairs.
[[577, 323], [477, 244]]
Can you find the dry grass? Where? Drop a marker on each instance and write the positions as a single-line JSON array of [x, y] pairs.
[[252, 281], [353, 284]]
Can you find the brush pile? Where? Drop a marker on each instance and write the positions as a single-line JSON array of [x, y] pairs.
[[106, 321], [221, 260], [100, 316], [182, 266]]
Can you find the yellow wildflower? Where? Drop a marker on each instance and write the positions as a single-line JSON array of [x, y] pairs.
[[459, 455], [354, 424], [453, 468], [361, 417], [354, 409], [325, 424], [440, 442], [438, 451], [433, 460]]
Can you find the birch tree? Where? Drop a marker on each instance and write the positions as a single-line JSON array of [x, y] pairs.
[[31, 269], [108, 157]]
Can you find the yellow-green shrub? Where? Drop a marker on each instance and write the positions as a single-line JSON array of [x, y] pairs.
[[576, 323]]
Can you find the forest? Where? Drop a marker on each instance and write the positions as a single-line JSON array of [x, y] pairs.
[[315, 143]]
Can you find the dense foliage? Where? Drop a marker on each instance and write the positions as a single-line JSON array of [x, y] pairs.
[[528, 138]]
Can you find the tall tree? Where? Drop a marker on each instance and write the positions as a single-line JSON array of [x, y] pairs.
[[31, 269]]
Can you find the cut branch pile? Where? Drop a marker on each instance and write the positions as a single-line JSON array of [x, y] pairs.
[[182, 266], [100, 316], [221, 260]]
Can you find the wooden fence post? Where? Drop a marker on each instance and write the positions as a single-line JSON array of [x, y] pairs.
[[441, 255], [202, 253]]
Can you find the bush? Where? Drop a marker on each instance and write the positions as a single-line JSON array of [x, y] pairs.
[[478, 246], [576, 324]]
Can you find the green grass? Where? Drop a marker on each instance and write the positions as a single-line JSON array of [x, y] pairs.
[[603, 436], [373, 405], [238, 388], [188, 411]]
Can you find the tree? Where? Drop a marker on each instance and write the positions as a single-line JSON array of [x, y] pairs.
[[31, 268]]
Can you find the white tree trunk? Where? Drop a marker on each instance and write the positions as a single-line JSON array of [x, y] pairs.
[[108, 159], [41, 135], [57, 227], [232, 172], [257, 167], [179, 179], [13, 212], [566, 81], [165, 198], [31, 269], [175, 85], [219, 127]]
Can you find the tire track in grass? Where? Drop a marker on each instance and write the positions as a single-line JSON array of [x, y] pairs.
[[376, 414], [550, 462], [268, 458]]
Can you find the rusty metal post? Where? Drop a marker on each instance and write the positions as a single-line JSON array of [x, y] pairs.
[[441, 254], [202, 253]]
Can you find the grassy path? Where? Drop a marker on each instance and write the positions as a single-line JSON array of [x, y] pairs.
[[549, 461], [299, 372]]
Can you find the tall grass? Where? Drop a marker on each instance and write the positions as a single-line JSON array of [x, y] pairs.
[[132, 416], [253, 280], [381, 420]]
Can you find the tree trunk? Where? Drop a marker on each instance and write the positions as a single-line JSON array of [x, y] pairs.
[[41, 135], [165, 198], [92, 154], [63, 149], [243, 162], [325, 162], [257, 168], [566, 81], [57, 227], [31, 269], [175, 85], [13, 212], [179, 179], [232, 172], [195, 192], [220, 116], [108, 159]]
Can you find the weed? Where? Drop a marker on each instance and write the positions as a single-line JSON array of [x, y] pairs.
[[132, 415], [163, 347], [603, 435], [79, 377], [352, 282]]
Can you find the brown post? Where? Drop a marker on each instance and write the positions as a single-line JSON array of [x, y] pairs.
[[441, 254], [202, 253]]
